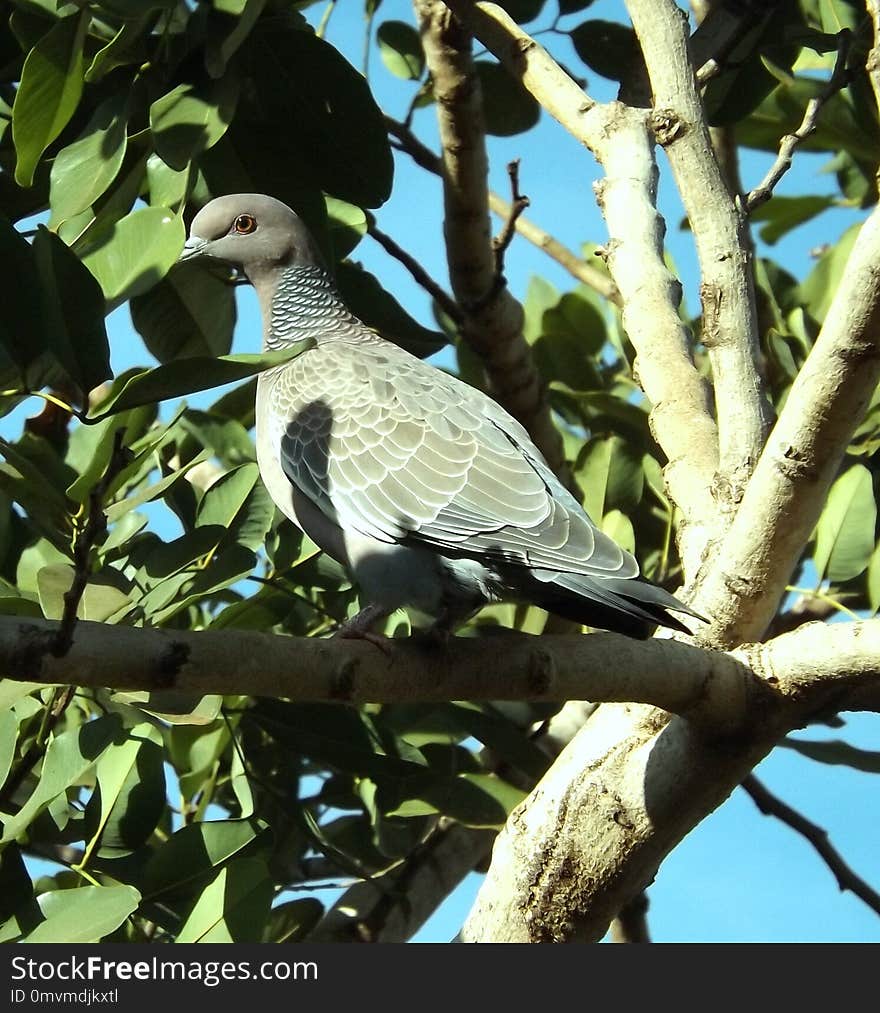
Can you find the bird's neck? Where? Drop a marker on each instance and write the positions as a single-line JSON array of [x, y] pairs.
[[304, 303]]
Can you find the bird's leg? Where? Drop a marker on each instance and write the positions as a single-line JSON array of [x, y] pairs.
[[441, 631], [358, 627]]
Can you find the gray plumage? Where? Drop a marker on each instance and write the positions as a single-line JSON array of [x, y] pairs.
[[423, 487]]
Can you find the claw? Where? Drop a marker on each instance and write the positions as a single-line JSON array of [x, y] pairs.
[[358, 628]]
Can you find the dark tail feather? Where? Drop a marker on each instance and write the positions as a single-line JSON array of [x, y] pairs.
[[632, 607]]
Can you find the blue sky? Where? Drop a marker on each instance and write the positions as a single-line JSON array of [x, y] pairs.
[[739, 876]]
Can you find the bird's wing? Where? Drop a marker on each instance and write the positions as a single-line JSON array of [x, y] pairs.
[[399, 451]]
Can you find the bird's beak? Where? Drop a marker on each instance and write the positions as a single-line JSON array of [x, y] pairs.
[[193, 247]]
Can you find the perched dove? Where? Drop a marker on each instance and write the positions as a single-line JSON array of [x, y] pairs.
[[423, 487]]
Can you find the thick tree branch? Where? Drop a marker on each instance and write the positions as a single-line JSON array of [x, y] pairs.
[[633, 782], [391, 908], [624, 792], [493, 319], [785, 496], [618, 137], [631, 925], [711, 688], [730, 326]]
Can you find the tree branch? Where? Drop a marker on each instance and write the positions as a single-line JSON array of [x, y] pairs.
[[711, 688], [730, 326], [445, 301], [786, 494], [846, 878], [873, 62], [576, 266], [790, 142], [624, 792], [493, 319], [680, 418], [391, 908], [631, 924], [633, 783]]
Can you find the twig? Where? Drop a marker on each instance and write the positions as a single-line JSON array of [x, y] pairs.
[[504, 238], [787, 146], [770, 805], [90, 534], [445, 301], [405, 140]]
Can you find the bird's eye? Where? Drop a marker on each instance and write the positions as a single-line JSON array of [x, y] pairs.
[[245, 224]]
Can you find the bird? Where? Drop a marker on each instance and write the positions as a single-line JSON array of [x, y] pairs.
[[424, 488]]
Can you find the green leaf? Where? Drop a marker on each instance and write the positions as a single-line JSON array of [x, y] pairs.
[[16, 890], [48, 92], [874, 580], [136, 253], [619, 529], [68, 757], [219, 51], [401, 49], [84, 170], [507, 107], [819, 287], [190, 312], [343, 739], [83, 915], [608, 48], [22, 328], [226, 438], [122, 49], [475, 800], [233, 907], [845, 532], [120, 508], [8, 740], [224, 499], [101, 599], [97, 441], [572, 6], [292, 921], [347, 224], [611, 474], [168, 187], [836, 753], [74, 312], [365, 297], [783, 214], [341, 145], [839, 128], [540, 297], [186, 376], [194, 851], [572, 335], [130, 794], [522, 10], [189, 119]]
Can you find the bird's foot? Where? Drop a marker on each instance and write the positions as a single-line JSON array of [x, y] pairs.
[[358, 628]]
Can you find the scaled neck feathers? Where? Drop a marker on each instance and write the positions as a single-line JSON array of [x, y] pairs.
[[306, 304]]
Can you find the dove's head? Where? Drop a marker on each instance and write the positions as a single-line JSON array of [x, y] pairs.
[[252, 232]]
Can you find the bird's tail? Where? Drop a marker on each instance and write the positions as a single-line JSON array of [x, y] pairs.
[[632, 606]]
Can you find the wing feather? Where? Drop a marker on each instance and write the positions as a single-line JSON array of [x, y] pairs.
[[397, 450]]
